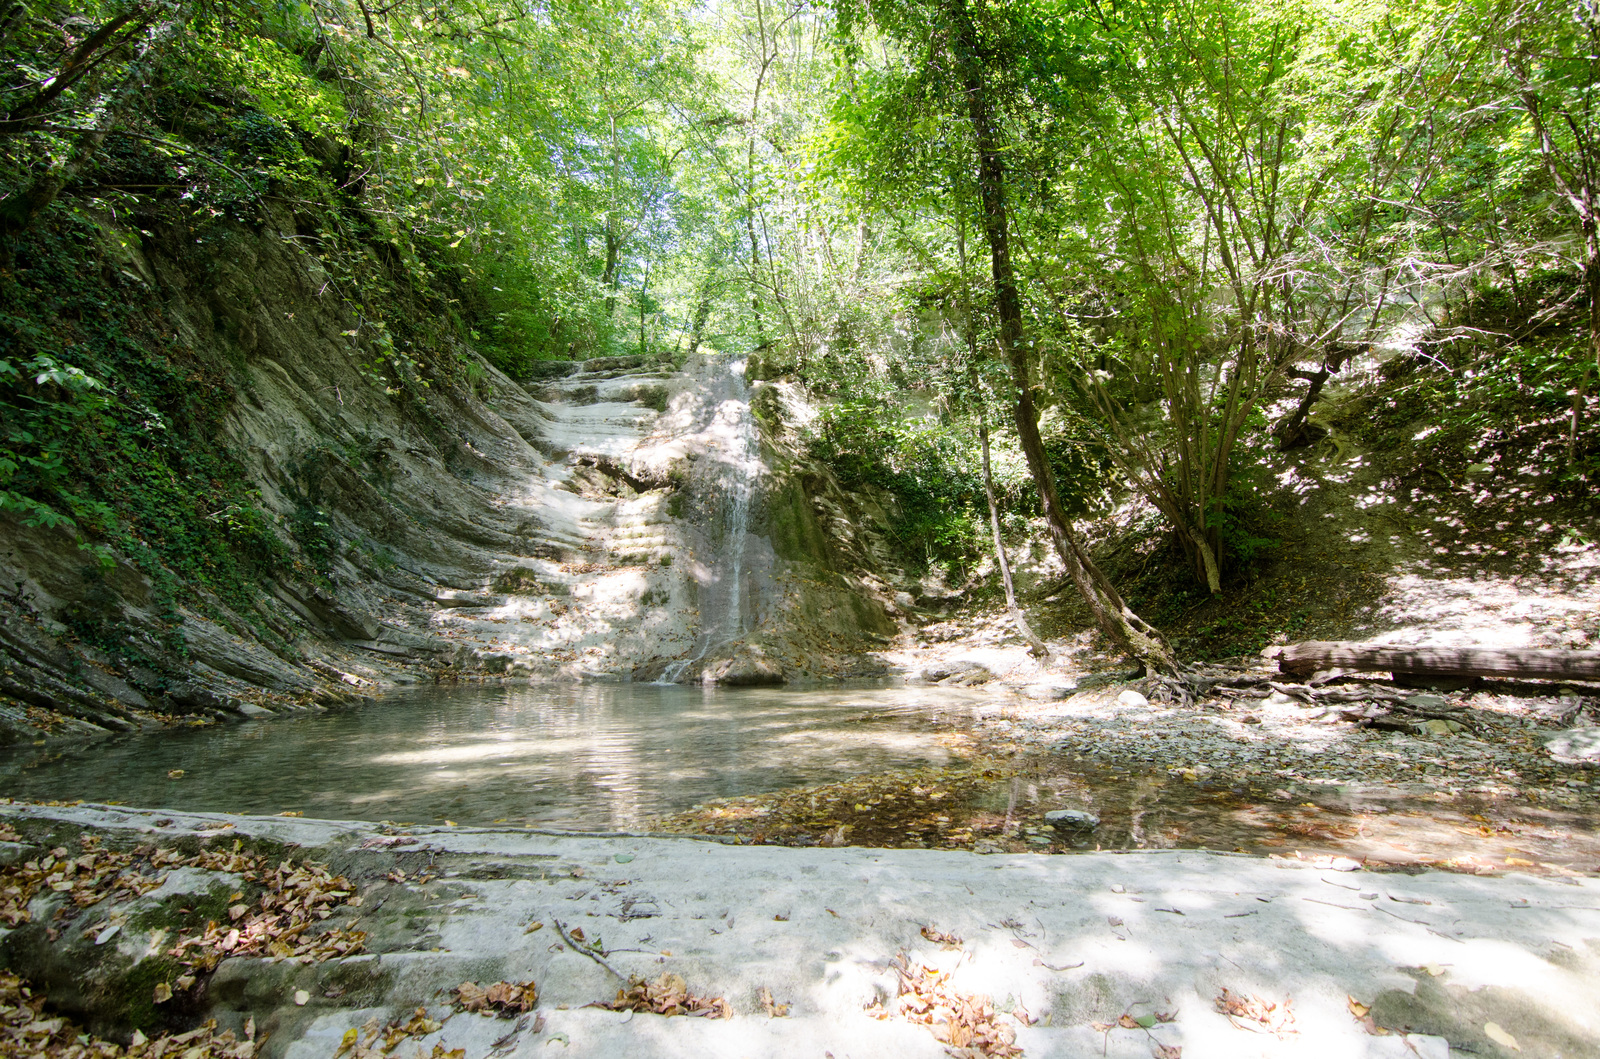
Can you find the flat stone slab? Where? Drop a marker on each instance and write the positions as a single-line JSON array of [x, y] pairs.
[[1071, 940], [1575, 746]]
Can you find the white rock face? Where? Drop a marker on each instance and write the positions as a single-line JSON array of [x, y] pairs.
[[1072, 940], [1579, 745], [1132, 698]]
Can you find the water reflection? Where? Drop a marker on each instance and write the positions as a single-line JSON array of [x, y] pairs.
[[593, 757]]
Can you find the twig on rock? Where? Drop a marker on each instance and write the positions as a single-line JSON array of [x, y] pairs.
[[586, 950]]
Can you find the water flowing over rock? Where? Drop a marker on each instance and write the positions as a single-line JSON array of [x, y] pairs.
[[713, 423], [602, 518]]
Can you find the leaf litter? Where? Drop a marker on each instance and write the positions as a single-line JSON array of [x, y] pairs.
[[668, 995], [291, 901], [771, 1007], [504, 1000], [966, 1022], [1255, 1014], [375, 1040], [26, 1031]]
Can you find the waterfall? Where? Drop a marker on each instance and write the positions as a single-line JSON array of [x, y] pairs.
[[724, 479]]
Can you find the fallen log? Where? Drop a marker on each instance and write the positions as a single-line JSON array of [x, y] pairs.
[[1303, 659]]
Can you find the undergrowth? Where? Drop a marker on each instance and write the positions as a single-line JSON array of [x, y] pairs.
[[113, 418]]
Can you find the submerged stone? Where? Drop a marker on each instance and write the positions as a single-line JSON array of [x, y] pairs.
[[1071, 819]]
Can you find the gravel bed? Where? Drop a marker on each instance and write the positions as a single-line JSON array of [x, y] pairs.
[[1500, 752]]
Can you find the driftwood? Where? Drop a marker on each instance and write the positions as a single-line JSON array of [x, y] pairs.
[[1303, 659]]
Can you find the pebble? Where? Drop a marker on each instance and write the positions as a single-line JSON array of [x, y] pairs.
[[1286, 747]]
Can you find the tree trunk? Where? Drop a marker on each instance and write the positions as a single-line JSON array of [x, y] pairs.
[[1121, 625], [1036, 646], [702, 313], [1591, 282], [609, 279], [19, 211], [1303, 659], [644, 286]]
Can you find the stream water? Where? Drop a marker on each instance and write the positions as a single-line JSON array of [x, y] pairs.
[[588, 757], [894, 763]]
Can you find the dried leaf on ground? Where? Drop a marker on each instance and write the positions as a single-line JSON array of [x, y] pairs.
[[667, 995], [966, 1022], [376, 1041], [1363, 1015], [773, 1009], [1253, 1013], [294, 898], [503, 999], [24, 1030], [1498, 1035], [1165, 1051], [939, 937]]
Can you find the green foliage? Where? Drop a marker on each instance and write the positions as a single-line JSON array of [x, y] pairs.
[[922, 464], [134, 467], [282, 83], [1243, 521]]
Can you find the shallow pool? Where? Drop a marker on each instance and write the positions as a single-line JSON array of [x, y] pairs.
[[589, 757]]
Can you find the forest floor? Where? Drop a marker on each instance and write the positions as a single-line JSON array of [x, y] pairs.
[[1433, 510]]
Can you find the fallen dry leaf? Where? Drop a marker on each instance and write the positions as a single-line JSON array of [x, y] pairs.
[[1165, 1051], [1495, 1033], [939, 937], [503, 999], [773, 1009], [668, 995], [1256, 1014]]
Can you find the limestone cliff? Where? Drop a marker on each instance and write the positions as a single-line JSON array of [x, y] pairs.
[[463, 525]]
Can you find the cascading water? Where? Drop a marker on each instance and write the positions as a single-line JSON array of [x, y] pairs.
[[726, 469]]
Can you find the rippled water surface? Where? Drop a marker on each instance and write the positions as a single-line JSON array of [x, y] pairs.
[[591, 757]]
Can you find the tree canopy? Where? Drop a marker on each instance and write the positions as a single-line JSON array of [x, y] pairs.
[[1126, 228]]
